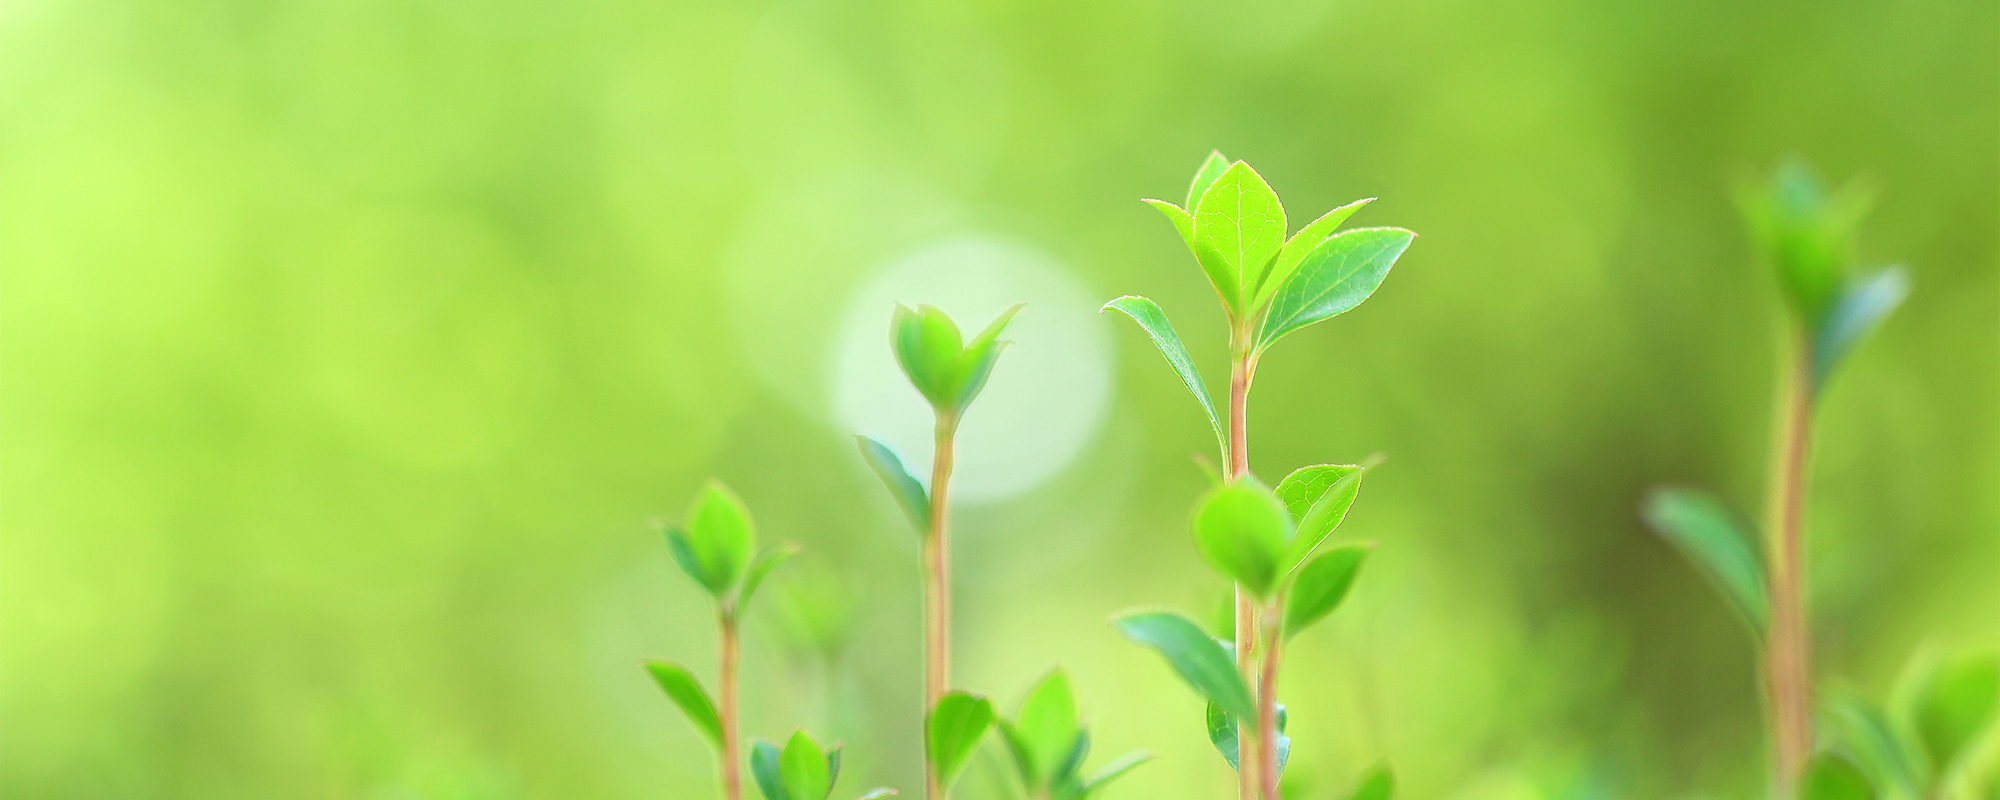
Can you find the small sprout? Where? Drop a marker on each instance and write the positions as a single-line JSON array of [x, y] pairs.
[[945, 371]]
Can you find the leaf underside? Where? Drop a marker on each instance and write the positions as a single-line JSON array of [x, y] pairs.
[[1154, 321], [1198, 659], [909, 494]]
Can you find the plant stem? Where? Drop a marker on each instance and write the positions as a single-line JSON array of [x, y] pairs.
[[732, 779], [1267, 707], [1787, 655], [937, 589], [1240, 368]]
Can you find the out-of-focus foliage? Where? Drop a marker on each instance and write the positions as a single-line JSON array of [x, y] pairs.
[[346, 350]]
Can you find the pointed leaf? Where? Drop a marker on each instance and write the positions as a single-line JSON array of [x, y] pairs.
[[1222, 732], [976, 363], [720, 536], [1321, 584], [1333, 278], [1955, 705], [832, 767], [684, 557], [1379, 783], [803, 767], [877, 793], [764, 769], [1302, 244], [1201, 661], [1239, 226], [1858, 311], [927, 347], [1708, 534], [1211, 168], [908, 493], [1830, 777], [1111, 771], [1318, 498], [1243, 531], [952, 731], [686, 692], [754, 577], [1047, 727], [1150, 317], [1182, 220]]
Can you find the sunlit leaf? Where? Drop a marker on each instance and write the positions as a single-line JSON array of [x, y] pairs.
[[1183, 221], [681, 687], [803, 767], [952, 731], [1302, 244], [927, 347], [1710, 535], [909, 494], [764, 769], [1150, 317], [1242, 530], [1239, 226], [1955, 705], [1046, 727], [1318, 498], [1378, 783], [1198, 659], [1320, 586], [1333, 278], [1211, 168], [1857, 311], [976, 363]]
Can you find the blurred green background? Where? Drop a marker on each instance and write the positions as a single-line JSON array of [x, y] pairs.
[[349, 346]]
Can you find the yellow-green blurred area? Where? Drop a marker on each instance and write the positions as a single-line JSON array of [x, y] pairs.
[[348, 348]]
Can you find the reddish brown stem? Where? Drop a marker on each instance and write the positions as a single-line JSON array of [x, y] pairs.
[[1787, 654], [732, 779], [937, 590], [1267, 707], [1240, 369]]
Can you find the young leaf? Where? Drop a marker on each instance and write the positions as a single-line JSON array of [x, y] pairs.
[[1336, 276], [686, 692], [1222, 729], [1149, 316], [1302, 244], [765, 770], [804, 769], [754, 577], [1859, 310], [1199, 660], [1321, 585], [1830, 777], [1182, 220], [1955, 705], [927, 347], [976, 363], [1806, 234], [952, 731], [1242, 530], [908, 493], [1047, 728], [1111, 771], [1211, 168], [684, 557], [1378, 783], [1708, 534], [1239, 225], [719, 536], [1318, 498]]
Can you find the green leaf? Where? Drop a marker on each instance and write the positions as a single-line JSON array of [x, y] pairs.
[[1830, 777], [876, 793], [1302, 244], [908, 493], [765, 770], [1335, 277], [684, 557], [804, 769], [1211, 168], [754, 577], [1182, 220], [1111, 771], [1222, 732], [1321, 584], [1198, 659], [1150, 317], [719, 537], [1242, 530], [927, 347], [1877, 749], [686, 692], [1708, 534], [952, 732], [1318, 498], [976, 363], [1378, 783], [1806, 233], [1046, 728], [1239, 226], [1955, 705], [1859, 310]]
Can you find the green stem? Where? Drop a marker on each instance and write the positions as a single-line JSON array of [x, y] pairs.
[[937, 589], [1787, 654], [732, 778]]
